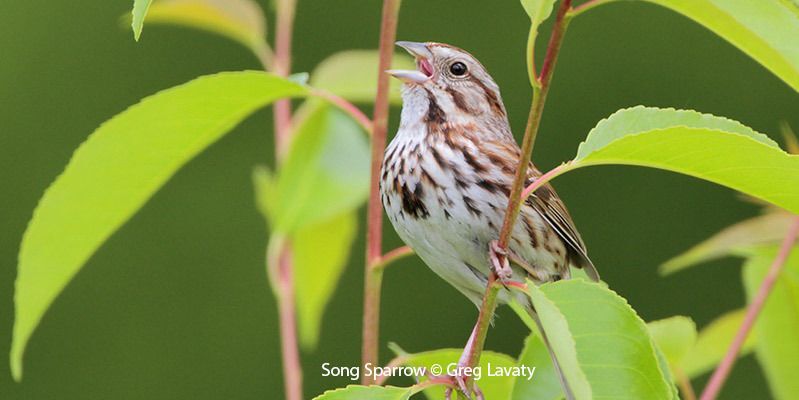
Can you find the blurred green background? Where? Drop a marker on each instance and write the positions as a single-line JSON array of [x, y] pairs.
[[176, 304]]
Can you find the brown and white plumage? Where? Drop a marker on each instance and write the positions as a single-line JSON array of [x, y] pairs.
[[447, 175]]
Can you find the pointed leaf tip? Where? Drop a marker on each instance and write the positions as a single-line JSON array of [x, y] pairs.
[[140, 8]]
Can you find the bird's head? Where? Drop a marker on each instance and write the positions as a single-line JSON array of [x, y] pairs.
[[448, 83]]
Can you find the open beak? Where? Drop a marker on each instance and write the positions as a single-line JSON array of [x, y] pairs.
[[424, 69]]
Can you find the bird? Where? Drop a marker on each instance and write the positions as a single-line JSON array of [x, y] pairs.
[[446, 178]]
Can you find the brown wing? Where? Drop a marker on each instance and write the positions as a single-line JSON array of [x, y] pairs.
[[546, 201]]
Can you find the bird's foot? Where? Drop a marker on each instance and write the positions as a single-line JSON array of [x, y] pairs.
[[499, 262]]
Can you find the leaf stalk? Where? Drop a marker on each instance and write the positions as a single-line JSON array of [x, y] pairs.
[[721, 373], [281, 66], [344, 105], [587, 6], [391, 256], [292, 370]]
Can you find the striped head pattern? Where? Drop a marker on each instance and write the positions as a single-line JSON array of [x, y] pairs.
[[450, 86]]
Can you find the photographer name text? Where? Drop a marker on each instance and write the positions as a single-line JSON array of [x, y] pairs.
[[451, 369]]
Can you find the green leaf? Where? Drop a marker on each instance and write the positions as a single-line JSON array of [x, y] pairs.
[[140, 8], [738, 239], [603, 347], [640, 119], [766, 30], [320, 253], [777, 348], [545, 384], [266, 193], [116, 170], [712, 344], [242, 21], [700, 145], [493, 387], [675, 337], [352, 74], [791, 141], [326, 171], [311, 204], [355, 392], [538, 11]]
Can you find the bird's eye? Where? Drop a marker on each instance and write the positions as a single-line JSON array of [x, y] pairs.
[[457, 68]]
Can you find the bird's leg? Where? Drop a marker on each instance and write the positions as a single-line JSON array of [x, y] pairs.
[[499, 261], [514, 258]]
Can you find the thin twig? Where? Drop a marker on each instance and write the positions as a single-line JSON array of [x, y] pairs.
[[347, 107], [723, 370], [396, 362], [292, 370], [373, 281], [685, 385], [392, 256], [543, 179], [587, 6], [433, 381], [281, 66], [373, 277], [488, 306], [540, 96]]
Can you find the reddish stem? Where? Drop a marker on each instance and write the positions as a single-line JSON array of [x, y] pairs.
[[534, 120], [292, 371], [388, 31], [487, 308], [542, 180], [723, 370], [347, 107], [587, 6], [489, 303], [282, 67], [374, 276], [392, 256]]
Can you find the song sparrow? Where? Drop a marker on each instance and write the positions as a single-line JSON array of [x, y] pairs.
[[448, 172]]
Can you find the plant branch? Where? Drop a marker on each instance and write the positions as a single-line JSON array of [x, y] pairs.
[[543, 179], [685, 385], [281, 65], [347, 107], [292, 371], [398, 361], [534, 120], [373, 277], [587, 6], [487, 308], [514, 201], [723, 370], [393, 255], [540, 92]]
